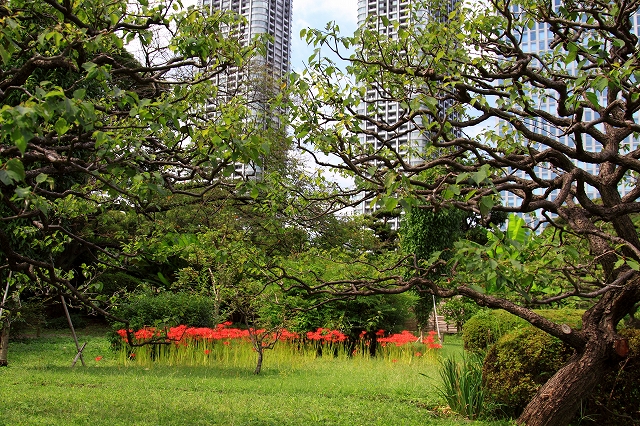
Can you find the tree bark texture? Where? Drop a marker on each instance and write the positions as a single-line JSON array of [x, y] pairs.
[[558, 400], [259, 362], [4, 342]]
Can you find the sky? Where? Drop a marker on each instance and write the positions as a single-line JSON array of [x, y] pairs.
[[316, 14]]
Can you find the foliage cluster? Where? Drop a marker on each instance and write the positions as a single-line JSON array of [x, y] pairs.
[[167, 309], [518, 363], [487, 326], [462, 386]]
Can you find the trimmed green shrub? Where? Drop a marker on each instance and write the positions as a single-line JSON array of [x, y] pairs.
[[486, 327], [167, 309], [518, 363]]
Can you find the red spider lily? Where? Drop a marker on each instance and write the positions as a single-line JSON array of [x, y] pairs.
[[207, 351], [327, 335], [399, 339], [145, 333], [287, 335], [184, 336], [98, 358], [431, 341]]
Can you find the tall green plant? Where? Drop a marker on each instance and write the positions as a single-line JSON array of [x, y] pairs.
[[462, 385]]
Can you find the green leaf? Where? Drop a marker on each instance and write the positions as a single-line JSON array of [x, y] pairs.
[[462, 177], [79, 93], [21, 138], [62, 126], [593, 99], [485, 205], [390, 203], [633, 264], [23, 193], [15, 170], [516, 230], [479, 176], [163, 279], [42, 177], [4, 178], [254, 193], [573, 53]]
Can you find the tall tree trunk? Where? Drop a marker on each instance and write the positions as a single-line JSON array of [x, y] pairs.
[[558, 400], [260, 352], [4, 341]]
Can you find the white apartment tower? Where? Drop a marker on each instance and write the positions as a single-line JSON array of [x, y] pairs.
[[536, 38], [270, 17], [408, 139]]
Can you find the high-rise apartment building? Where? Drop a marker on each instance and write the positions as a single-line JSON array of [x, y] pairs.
[[258, 79], [536, 38], [272, 17], [410, 139]]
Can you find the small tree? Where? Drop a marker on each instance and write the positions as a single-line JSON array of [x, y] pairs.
[[458, 310]]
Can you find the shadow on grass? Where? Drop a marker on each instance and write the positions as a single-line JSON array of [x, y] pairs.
[[169, 371]]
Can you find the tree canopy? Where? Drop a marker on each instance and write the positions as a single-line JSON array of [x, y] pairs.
[[104, 108], [550, 130]]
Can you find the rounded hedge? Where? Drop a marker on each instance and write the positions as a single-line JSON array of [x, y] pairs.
[[485, 328], [525, 358], [167, 309], [518, 363]]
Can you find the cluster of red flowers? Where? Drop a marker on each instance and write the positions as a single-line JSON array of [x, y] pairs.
[[183, 333], [326, 335], [223, 332], [431, 341], [405, 337], [399, 339]]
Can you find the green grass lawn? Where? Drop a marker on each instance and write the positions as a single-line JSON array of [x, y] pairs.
[[40, 387]]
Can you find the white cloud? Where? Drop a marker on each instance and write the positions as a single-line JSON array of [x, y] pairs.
[[316, 14]]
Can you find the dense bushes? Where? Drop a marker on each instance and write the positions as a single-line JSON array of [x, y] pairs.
[[167, 308], [520, 358], [518, 363], [486, 327]]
